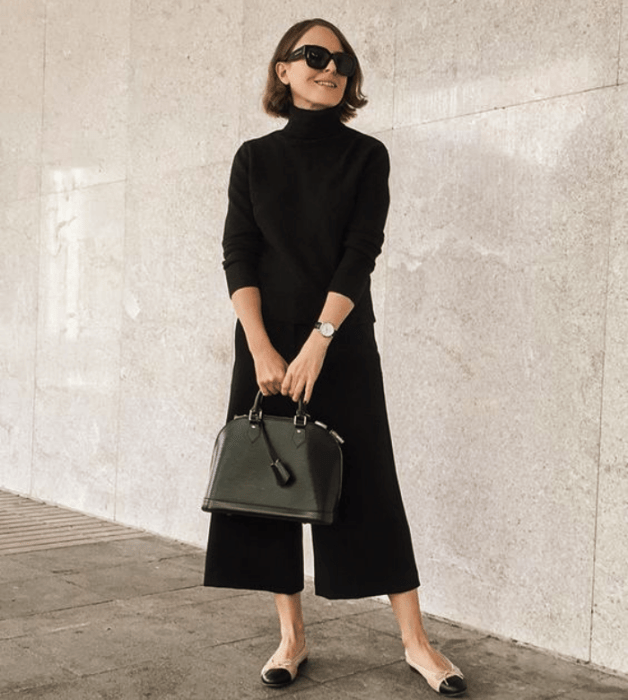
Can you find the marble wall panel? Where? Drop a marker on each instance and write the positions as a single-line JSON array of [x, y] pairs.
[[21, 93], [177, 349], [495, 336], [610, 611], [370, 30], [77, 396], [455, 58], [623, 58], [19, 233], [86, 85], [185, 81]]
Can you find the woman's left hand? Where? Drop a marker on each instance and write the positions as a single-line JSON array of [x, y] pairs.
[[303, 371]]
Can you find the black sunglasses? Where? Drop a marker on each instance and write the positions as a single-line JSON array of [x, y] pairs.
[[319, 57]]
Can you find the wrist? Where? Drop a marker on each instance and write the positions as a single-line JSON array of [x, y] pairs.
[[260, 346], [318, 340]]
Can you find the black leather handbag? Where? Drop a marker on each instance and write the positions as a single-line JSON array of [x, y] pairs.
[[276, 467]]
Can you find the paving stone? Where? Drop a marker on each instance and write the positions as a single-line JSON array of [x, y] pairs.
[[496, 668], [78, 690], [39, 594], [220, 673], [221, 621], [330, 692], [12, 570], [439, 631], [20, 667], [595, 692], [104, 645], [88, 557], [41, 624], [135, 579], [388, 682], [155, 602]]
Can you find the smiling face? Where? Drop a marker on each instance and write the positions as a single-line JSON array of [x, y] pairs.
[[312, 88]]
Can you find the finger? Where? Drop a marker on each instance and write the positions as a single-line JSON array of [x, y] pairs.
[[297, 390], [267, 387], [286, 384], [309, 388]]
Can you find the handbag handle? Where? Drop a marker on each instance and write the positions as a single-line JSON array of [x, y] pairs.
[[256, 413]]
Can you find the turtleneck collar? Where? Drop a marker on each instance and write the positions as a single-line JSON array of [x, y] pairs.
[[313, 123]]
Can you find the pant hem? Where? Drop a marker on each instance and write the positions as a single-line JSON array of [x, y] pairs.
[[254, 587], [370, 593]]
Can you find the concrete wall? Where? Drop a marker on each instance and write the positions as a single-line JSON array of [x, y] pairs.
[[502, 295]]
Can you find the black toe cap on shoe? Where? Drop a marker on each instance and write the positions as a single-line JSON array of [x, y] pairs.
[[277, 676], [452, 686]]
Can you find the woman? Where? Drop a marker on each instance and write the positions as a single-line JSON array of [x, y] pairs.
[[307, 207]]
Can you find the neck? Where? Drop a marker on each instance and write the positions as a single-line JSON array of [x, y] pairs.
[[314, 123]]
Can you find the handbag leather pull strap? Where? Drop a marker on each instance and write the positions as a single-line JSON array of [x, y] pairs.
[[282, 473]]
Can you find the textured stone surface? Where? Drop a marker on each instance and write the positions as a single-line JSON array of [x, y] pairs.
[[78, 347], [21, 96], [183, 103], [455, 58], [495, 338], [85, 98], [610, 618], [18, 331], [176, 349], [622, 73]]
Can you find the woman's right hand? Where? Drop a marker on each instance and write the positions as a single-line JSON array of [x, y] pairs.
[[270, 370]]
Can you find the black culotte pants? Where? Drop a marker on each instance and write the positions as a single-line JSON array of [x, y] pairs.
[[368, 551]]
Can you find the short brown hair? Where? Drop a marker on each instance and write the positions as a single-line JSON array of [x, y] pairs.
[[277, 98]]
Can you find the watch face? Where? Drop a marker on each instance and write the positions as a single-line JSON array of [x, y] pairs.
[[327, 329]]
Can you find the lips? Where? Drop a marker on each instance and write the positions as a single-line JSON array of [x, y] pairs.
[[326, 83]]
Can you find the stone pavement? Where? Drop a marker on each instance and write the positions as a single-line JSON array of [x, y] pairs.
[[94, 611]]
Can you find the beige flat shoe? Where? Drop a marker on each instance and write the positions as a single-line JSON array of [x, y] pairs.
[[284, 673], [450, 682]]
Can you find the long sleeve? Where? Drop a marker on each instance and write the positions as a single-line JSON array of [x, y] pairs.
[[242, 240], [365, 233]]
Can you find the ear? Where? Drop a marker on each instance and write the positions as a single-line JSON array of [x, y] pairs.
[[282, 73]]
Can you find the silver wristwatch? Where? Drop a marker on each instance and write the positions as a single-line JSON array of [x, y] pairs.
[[325, 329]]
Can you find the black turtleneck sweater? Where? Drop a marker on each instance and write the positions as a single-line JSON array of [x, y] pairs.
[[307, 207]]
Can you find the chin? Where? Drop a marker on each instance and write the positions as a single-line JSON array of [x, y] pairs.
[[325, 104]]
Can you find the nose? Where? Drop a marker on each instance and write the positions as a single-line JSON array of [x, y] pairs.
[[331, 66]]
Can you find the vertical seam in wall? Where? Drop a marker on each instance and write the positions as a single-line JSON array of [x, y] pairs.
[[619, 43], [384, 349], [123, 267], [40, 208], [604, 338], [241, 67]]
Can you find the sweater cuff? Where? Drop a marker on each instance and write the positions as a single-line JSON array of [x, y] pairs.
[[241, 275], [353, 275]]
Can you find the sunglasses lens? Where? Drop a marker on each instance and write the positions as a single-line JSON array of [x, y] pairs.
[[317, 57], [345, 63]]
